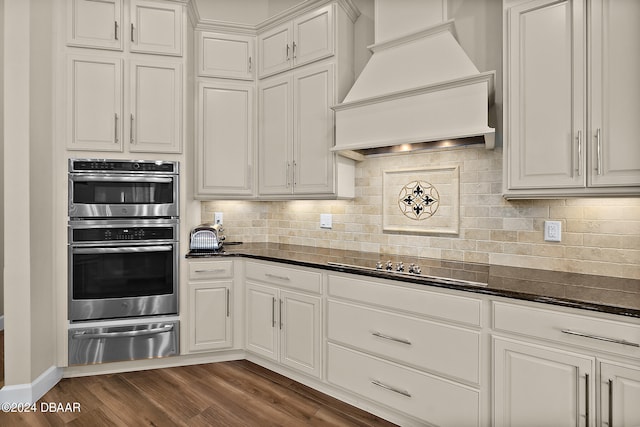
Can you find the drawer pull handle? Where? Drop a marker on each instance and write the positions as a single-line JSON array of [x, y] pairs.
[[390, 338], [390, 388], [275, 276], [215, 270], [600, 338], [610, 403]]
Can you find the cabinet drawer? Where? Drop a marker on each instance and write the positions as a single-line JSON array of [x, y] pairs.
[[441, 305], [568, 328], [428, 345], [203, 270], [423, 396], [294, 278]]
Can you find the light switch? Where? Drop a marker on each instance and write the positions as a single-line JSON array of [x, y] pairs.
[[326, 220], [218, 218]]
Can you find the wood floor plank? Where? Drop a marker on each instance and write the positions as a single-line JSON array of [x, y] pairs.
[[227, 394]]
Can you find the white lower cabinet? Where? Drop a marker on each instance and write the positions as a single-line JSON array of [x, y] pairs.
[[283, 324], [619, 394], [426, 397], [540, 386], [210, 303], [551, 365], [411, 350]]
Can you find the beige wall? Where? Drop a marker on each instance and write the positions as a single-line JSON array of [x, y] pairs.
[[28, 195], [600, 236]]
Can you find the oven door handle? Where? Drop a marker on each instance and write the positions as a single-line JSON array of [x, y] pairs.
[[120, 250], [120, 178], [84, 335]]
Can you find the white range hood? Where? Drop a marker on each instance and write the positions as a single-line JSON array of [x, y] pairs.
[[416, 88]]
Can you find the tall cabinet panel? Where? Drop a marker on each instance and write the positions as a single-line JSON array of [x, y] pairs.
[[276, 135], [225, 139], [545, 96], [615, 93], [313, 160], [94, 109], [155, 120]]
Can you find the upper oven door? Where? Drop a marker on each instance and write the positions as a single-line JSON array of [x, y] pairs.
[[122, 195]]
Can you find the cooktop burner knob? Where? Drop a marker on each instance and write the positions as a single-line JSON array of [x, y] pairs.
[[415, 269], [389, 265], [400, 266], [379, 265]]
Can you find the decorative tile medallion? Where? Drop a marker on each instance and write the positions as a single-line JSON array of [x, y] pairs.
[[421, 201], [418, 200]]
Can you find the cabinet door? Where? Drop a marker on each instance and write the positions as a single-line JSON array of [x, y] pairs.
[[156, 27], [94, 107], [155, 119], [615, 93], [313, 160], [210, 316], [301, 336], [94, 23], [225, 139], [276, 136], [546, 143], [275, 50], [262, 317], [620, 394], [541, 386], [313, 36], [225, 55]]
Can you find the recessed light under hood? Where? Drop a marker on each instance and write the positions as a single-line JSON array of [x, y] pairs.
[[417, 88]]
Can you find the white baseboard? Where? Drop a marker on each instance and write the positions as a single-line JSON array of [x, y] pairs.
[[30, 393]]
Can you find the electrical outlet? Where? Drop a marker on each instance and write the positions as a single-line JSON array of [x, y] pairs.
[[326, 220], [218, 217], [552, 231]]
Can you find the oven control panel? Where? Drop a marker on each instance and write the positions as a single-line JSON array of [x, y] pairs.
[[110, 234]]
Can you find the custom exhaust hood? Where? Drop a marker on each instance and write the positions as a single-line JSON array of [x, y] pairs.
[[418, 88]]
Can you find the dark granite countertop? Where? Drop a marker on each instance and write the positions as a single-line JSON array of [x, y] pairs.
[[588, 292]]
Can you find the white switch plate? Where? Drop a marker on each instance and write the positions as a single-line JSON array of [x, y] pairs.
[[552, 231], [218, 217], [326, 220]]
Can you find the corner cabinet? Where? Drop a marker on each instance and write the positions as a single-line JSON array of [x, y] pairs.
[[571, 103]]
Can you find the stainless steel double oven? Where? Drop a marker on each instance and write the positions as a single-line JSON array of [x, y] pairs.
[[123, 259]]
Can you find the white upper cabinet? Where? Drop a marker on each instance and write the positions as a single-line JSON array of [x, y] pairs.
[[155, 118], [615, 93], [307, 38], [153, 27], [571, 98], [225, 55], [296, 132], [224, 140], [94, 107], [95, 23]]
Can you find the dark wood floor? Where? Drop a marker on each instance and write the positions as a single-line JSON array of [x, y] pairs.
[[219, 394]]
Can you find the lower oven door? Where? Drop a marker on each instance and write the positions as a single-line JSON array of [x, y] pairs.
[[119, 343], [122, 281]]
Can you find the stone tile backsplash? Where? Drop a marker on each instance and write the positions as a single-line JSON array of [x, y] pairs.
[[600, 236]]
